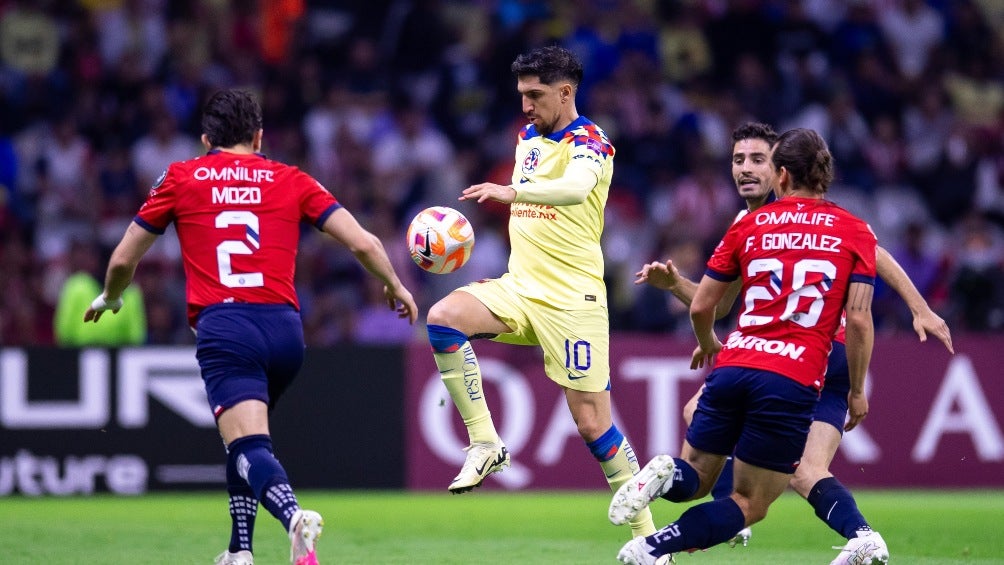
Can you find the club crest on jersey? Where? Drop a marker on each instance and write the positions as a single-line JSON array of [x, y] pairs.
[[531, 161]]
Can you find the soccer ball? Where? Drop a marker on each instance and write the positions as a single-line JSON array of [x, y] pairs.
[[440, 239]]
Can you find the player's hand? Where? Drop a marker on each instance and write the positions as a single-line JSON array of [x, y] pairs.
[[857, 409], [400, 300], [663, 276], [489, 191], [100, 305], [705, 356], [928, 321]]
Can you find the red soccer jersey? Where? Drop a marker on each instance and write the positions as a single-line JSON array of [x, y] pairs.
[[238, 222], [841, 335], [797, 257]]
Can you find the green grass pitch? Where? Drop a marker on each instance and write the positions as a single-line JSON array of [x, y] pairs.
[[365, 527]]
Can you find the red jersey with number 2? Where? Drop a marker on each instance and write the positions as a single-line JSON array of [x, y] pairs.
[[797, 257], [238, 221]]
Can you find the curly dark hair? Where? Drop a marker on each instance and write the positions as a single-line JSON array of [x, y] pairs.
[[550, 64], [806, 157], [754, 130], [231, 117]]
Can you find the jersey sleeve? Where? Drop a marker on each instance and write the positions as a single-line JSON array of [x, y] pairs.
[[724, 263], [316, 203], [591, 148], [157, 212], [865, 249]]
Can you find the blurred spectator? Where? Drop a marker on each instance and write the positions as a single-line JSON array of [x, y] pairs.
[[413, 161], [67, 200], [128, 327], [976, 94], [885, 152], [912, 29], [977, 287], [857, 33], [165, 318], [132, 32], [25, 317], [927, 123], [418, 36], [700, 205], [950, 189], [742, 28], [876, 88], [683, 47], [846, 132], [152, 153], [924, 267], [990, 181]]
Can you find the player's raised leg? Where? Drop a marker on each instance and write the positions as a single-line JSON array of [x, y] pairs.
[[450, 321]]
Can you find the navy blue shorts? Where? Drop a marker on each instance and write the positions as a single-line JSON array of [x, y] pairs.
[[762, 416], [248, 351], [832, 406]]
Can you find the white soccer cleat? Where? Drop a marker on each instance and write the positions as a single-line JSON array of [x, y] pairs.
[[650, 483], [636, 552], [242, 557], [305, 528], [742, 538], [483, 459], [869, 549]]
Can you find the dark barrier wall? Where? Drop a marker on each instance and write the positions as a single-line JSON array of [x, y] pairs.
[[136, 419], [936, 420]]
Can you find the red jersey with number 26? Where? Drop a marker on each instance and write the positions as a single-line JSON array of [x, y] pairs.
[[238, 221], [797, 257]]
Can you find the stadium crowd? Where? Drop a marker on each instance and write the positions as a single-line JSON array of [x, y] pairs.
[[397, 105]]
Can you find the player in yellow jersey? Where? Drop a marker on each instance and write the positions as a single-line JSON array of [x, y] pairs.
[[553, 295]]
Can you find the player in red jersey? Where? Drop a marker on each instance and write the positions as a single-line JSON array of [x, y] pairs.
[[802, 261], [238, 216], [833, 503]]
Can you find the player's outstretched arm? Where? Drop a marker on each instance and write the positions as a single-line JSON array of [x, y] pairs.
[[924, 319], [702, 318], [121, 267], [860, 338], [370, 253], [573, 187], [665, 276]]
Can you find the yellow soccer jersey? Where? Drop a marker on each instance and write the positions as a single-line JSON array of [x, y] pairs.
[[556, 255]]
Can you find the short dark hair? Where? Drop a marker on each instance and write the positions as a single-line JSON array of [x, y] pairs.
[[755, 130], [231, 117], [550, 64], [806, 157]]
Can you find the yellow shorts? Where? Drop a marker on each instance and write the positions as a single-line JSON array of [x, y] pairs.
[[576, 343]]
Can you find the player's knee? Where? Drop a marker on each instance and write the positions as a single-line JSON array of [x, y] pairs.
[[590, 428], [805, 477], [752, 509], [441, 314]]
